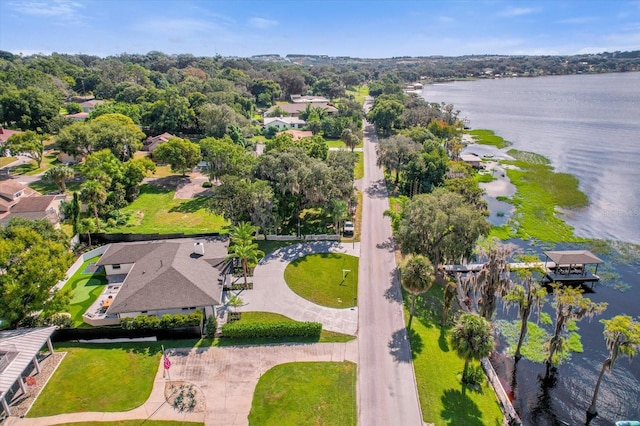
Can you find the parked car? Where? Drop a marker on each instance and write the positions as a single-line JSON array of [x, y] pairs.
[[348, 228]]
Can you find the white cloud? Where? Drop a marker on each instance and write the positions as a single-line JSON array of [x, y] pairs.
[[67, 9], [577, 20], [262, 23], [518, 11]]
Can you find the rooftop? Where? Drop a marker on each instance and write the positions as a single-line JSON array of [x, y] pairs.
[[573, 257], [167, 274]]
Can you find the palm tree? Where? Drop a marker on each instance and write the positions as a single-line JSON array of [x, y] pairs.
[[622, 335], [472, 339], [247, 253], [94, 194], [235, 302], [59, 175], [416, 276], [243, 233]]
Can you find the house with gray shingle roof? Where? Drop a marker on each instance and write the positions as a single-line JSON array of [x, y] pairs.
[[167, 277]]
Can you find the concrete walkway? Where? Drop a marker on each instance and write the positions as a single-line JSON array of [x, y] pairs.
[[227, 376], [272, 294]]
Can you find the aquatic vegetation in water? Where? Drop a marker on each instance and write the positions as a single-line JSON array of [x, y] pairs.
[[534, 347]]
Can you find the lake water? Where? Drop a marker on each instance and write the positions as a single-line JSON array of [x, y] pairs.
[[587, 125]]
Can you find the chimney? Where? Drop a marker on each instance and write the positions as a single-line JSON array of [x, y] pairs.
[[198, 248]]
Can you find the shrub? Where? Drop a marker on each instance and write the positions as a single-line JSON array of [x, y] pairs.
[[475, 376], [240, 330], [207, 184], [151, 322], [212, 326]]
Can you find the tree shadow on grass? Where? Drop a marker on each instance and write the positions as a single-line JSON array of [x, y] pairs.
[[191, 206], [459, 409], [399, 346], [417, 345], [443, 343]]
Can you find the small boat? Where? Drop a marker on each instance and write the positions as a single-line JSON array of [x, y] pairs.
[[628, 423]]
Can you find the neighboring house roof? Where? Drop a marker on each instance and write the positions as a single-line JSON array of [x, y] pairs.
[[20, 347], [89, 105], [6, 134], [573, 257], [308, 98], [470, 158], [8, 190], [295, 109], [152, 142], [33, 204], [298, 134], [288, 121], [167, 274]]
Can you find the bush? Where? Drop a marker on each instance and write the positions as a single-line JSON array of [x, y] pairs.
[[240, 330], [475, 376], [207, 184], [151, 322], [212, 326]]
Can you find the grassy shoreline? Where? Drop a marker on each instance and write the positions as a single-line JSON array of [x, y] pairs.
[[540, 192]]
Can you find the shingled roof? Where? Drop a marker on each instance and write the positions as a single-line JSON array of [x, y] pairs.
[[167, 274]]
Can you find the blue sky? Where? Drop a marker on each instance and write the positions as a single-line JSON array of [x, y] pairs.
[[365, 28]]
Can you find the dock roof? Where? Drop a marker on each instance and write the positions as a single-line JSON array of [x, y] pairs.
[[573, 257]]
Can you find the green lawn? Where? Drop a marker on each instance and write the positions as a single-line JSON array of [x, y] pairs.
[[359, 92], [106, 377], [133, 423], [85, 289], [325, 336], [443, 398], [306, 393], [7, 160], [358, 172], [47, 187], [487, 137], [337, 143], [319, 279], [156, 210]]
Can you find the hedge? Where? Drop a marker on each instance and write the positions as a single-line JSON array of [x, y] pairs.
[[240, 330], [152, 322]]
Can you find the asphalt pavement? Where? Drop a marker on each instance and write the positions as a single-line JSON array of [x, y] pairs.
[[387, 392]]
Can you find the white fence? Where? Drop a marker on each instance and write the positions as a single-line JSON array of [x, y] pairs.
[[78, 263]]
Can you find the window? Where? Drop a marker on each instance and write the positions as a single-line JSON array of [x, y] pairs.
[[116, 266]]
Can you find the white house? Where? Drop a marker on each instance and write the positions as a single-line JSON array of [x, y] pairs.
[[284, 123]]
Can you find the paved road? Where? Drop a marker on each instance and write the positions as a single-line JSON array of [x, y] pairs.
[[386, 381]]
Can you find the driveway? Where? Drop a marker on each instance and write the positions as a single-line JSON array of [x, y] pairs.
[[226, 376], [272, 294]]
